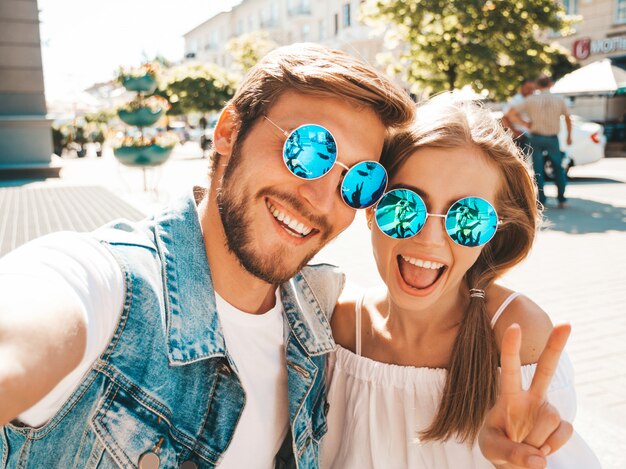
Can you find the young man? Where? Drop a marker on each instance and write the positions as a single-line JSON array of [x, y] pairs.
[[199, 337], [544, 111]]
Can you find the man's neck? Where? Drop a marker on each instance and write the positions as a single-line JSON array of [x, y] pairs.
[[231, 281]]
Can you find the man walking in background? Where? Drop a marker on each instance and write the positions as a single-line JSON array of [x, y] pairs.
[[520, 132], [544, 111]]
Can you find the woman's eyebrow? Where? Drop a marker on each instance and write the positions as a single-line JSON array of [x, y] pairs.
[[423, 194]]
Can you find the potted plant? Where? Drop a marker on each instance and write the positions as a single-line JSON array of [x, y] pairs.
[[142, 79], [143, 112], [144, 151], [97, 136], [59, 140]]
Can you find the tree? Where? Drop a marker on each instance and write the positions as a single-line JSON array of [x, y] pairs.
[[248, 49], [491, 45], [197, 87]]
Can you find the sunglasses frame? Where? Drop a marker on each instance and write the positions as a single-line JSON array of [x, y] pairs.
[[438, 215], [345, 167]]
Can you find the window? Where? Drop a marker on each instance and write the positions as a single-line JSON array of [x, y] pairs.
[[323, 33], [306, 33], [571, 7], [346, 15], [620, 11]]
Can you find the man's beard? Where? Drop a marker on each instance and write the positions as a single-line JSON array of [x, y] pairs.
[[234, 206]]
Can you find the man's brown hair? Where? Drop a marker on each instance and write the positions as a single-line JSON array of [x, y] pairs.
[[316, 70]]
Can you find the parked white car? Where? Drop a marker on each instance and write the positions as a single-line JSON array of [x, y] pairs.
[[588, 142]]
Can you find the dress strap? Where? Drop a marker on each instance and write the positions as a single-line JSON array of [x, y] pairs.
[[503, 306], [357, 322]]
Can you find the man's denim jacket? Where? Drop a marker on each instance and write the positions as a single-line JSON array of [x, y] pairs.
[[166, 382]]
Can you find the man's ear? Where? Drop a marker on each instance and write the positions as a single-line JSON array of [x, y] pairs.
[[225, 133]]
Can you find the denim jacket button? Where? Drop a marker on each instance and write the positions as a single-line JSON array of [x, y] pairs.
[[149, 460], [188, 465]]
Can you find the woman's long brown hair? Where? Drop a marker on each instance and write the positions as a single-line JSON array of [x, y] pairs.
[[472, 381]]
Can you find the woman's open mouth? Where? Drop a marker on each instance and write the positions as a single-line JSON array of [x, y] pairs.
[[420, 274]]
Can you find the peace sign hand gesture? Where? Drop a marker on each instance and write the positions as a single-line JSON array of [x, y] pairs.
[[523, 428]]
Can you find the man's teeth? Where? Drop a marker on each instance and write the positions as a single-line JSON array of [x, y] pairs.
[[294, 225], [422, 263]]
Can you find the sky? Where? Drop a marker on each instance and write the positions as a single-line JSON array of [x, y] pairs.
[[85, 41]]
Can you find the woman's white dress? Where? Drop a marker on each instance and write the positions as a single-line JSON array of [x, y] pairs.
[[377, 411]]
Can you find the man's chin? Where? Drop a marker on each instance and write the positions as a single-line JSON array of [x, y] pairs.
[[275, 269]]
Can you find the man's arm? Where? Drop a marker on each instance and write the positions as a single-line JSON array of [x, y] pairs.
[[568, 124], [42, 339], [513, 116]]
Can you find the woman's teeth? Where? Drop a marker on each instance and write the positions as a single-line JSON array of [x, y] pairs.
[[424, 264], [297, 229]]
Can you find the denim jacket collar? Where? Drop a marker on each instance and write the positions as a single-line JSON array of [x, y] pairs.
[[192, 325]]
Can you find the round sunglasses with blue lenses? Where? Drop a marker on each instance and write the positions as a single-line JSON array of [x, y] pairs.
[[310, 151], [471, 221]]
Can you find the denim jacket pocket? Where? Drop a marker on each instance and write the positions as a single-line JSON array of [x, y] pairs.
[[131, 424]]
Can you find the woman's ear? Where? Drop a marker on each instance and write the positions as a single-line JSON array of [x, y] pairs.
[[369, 215], [225, 133]]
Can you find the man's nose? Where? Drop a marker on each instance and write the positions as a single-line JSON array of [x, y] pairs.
[[323, 193]]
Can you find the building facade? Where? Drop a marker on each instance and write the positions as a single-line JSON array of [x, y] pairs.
[[330, 22], [25, 132], [600, 34]]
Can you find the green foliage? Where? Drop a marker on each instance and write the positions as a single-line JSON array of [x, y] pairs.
[[248, 49], [197, 87], [101, 117], [491, 45]]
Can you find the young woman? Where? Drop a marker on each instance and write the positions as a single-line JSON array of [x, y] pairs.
[[416, 368]]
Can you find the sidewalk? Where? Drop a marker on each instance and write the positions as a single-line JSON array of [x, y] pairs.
[[576, 271]]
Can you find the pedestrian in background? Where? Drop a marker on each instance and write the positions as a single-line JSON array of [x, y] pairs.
[[544, 111], [520, 131]]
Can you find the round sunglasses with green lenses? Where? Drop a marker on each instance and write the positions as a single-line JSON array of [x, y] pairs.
[[470, 221], [310, 151]]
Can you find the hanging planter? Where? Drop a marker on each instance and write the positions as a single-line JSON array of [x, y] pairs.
[[144, 152], [146, 83], [141, 79], [141, 117], [143, 112]]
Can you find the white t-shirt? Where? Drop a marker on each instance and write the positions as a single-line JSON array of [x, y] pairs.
[[254, 342]]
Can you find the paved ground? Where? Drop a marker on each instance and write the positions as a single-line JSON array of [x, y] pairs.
[[576, 271]]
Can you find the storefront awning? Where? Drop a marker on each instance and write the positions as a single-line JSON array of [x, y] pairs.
[[599, 78]]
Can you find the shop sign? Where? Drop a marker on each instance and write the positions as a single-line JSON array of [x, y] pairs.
[[583, 48]]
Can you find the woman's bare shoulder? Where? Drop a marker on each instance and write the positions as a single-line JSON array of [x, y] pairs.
[[343, 321], [533, 320]]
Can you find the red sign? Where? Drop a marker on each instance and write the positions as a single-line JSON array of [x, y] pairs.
[[582, 48]]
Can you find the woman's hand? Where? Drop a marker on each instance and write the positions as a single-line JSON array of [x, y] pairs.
[[523, 428]]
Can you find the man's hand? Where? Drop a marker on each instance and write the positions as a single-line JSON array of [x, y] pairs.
[[569, 140], [523, 428]]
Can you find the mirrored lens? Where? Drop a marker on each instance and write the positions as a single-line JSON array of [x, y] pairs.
[[364, 184], [471, 221], [401, 213], [310, 151]]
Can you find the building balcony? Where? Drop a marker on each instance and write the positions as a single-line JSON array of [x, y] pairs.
[[269, 23], [299, 10]]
